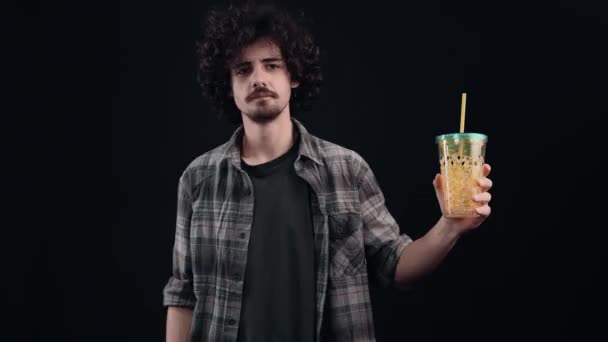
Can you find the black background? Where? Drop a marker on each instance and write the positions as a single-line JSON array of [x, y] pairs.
[[111, 111]]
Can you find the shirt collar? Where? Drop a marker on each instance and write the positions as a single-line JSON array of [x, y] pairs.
[[308, 147]]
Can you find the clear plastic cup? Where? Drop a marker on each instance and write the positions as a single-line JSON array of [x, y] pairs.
[[461, 157]]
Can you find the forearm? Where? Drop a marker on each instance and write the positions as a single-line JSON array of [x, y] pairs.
[[423, 255], [179, 320]]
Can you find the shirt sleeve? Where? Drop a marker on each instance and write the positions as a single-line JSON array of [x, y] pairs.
[[178, 291], [383, 241]]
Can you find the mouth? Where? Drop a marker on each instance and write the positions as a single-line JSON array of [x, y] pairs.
[[260, 96]]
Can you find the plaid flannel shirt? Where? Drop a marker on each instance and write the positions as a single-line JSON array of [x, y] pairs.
[[354, 234]]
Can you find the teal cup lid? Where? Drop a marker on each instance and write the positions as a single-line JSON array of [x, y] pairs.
[[464, 136]]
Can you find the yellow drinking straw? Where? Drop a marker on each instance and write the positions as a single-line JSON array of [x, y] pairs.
[[462, 109]]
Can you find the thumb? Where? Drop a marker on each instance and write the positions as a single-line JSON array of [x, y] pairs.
[[439, 191], [437, 182]]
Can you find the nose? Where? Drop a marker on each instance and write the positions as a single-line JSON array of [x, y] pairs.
[[259, 78], [259, 84]]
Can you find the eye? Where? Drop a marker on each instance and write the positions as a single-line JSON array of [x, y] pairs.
[[273, 66], [242, 71]]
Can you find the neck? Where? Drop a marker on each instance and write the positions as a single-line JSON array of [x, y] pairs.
[[263, 142]]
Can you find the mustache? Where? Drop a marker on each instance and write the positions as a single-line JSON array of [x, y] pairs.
[[261, 92]]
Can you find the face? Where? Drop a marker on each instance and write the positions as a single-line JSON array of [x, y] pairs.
[[261, 84]]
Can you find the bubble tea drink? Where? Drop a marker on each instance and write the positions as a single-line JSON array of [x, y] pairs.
[[461, 158]]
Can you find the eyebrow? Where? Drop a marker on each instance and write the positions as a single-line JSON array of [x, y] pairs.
[[265, 60]]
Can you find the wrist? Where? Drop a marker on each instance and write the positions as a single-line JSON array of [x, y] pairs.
[[446, 231]]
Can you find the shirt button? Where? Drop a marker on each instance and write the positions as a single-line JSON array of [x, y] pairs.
[[242, 235], [237, 277], [339, 230], [231, 321]]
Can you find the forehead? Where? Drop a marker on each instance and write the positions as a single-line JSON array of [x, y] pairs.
[[259, 50]]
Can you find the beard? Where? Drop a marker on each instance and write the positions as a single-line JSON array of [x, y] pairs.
[[265, 112]]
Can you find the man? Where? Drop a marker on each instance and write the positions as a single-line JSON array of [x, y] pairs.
[[277, 229]]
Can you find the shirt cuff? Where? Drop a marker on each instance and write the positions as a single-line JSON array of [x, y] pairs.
[[392, 253], [179, 292]]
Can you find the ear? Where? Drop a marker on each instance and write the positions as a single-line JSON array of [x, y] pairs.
[[230, 92], [295, 84]]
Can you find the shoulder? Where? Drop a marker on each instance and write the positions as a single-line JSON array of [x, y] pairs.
[[337, 157], [202, 167]]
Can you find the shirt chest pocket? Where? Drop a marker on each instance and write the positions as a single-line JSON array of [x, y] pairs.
[[346, 248]]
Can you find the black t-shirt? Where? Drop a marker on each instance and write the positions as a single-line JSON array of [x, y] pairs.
[[279, 286]]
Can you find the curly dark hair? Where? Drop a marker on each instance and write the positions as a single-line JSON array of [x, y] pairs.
[[227, 30]]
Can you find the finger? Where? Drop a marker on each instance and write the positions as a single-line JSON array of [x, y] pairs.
[[486, 169], [485, 183], [483, 197], [484, 210]]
